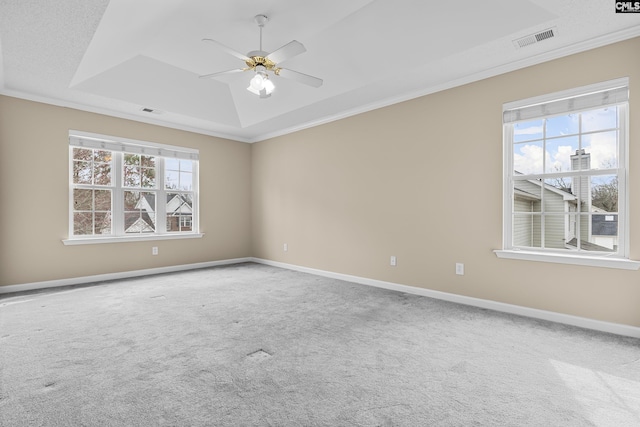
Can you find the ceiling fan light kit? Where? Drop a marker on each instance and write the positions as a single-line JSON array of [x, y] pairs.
[[260, 83], [263, 63]]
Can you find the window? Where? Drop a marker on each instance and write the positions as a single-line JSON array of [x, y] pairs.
[[123, 189], [565, 173]]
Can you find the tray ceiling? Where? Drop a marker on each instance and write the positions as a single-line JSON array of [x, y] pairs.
[[120, 57]]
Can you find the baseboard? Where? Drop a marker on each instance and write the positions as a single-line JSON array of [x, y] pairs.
[[583, 322], [115, 276]]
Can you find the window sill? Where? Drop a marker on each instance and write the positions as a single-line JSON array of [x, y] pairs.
[[592, 261], [122, 239]]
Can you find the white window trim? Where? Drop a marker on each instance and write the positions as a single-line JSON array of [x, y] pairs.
[[122, 145], [620, 260]]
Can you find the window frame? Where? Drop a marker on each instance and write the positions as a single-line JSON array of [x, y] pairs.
[[119, 147], [620, 259]]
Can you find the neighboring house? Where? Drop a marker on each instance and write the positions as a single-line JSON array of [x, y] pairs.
[[143, 220], [528, 196], [604, 229], [560, 229]]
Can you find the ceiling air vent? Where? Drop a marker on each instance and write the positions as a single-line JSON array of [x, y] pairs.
[[150, 110], [535, 38]]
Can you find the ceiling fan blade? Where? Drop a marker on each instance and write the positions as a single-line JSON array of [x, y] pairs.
[[222, 73], [287, 51], [300, 77], [227, 49]]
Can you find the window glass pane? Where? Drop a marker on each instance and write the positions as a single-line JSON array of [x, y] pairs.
[[526, 230], [132, 176], [102, 200], [555, 230], [559, 152], [102, 156], [582, 231], [171, 180], [131, 159], [102, 223], [172, 164], [81, 172], [179, 223], [527, 131], [604, 231], [186, 165], [601, 150], [602, 119], [140, 211], [82, 223], [148, 161], [131, 199], [572, 231], [528, 158], [179, 212], [558, 195], [148, 178], [173, 223], [559, 189], [91, 167], [604, 193], [179, 204], [580, 160], [185, 222], [598, 233], [178, 175], [562, 125], [581, 189], [186, 179], [102, 173], [527, 196], [82, 199], [82, 154]]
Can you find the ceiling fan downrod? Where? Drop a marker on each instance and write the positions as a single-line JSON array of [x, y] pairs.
[[261, 20]]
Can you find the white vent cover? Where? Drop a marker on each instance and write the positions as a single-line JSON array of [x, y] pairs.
[[535, 38], [150, 110]]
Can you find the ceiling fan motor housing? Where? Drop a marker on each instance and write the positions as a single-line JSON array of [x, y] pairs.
[[259, 57]]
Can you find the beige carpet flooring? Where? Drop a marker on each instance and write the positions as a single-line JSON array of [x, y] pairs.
[[253, 345]]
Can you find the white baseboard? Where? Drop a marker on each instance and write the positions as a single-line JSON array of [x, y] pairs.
[[583, 322], [115, 276]]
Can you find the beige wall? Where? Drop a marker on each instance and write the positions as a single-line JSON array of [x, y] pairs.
[[422, 180], [34, 182]]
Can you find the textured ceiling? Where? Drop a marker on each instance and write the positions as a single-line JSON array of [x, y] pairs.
[[118, 57]]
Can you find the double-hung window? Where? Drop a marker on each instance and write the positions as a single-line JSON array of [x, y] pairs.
[[565, 175], [123, 189]]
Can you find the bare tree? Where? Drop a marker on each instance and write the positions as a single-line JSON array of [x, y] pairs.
[[605, 195]]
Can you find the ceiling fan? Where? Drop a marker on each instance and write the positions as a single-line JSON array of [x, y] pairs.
[[263, 63]]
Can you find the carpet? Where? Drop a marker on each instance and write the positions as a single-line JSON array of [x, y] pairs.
[[255, 345]]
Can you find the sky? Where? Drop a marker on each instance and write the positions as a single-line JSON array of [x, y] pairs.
[[562, 141]]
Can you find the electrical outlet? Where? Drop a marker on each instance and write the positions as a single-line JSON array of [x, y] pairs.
[[286, 247], [459, 268], [154, 250], [393, 261]]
